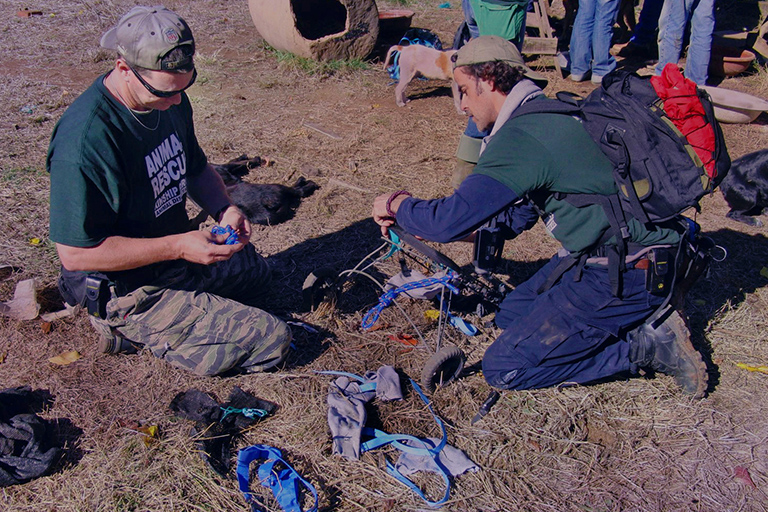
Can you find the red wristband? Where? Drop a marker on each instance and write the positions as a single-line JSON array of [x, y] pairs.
[[392, 198]]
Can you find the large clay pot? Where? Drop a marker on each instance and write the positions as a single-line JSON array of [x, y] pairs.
[[318, 29]]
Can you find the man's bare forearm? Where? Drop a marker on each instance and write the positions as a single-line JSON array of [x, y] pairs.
[[121, 253]]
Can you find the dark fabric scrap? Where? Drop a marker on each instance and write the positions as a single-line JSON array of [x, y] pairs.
[[28, 446], [213, 431]]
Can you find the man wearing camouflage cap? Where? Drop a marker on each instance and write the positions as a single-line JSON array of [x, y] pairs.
[[564, 324], [122, 159]]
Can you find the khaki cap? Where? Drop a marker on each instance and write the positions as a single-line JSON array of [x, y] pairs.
[[146, 34], [493, 49]]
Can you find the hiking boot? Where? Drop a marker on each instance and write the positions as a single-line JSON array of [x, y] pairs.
[[116, 345], [668, 349], [109, 341]]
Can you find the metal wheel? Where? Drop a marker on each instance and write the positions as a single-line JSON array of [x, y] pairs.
[[442, 368]]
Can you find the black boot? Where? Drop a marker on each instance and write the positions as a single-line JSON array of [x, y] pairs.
[[668, 349], [116, 345], [110, 342]]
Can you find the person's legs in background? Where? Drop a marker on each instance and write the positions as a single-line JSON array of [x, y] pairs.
[[642, 44], [700, 47], [605, 16], [647, 23], [674, 18], [581, 40]]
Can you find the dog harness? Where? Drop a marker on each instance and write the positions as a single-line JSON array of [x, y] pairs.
[[284, 483], [433, 455]]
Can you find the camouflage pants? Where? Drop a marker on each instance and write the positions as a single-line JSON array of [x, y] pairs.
[[195, 319]]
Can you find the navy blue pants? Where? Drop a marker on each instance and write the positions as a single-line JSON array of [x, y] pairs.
[[571, 333]]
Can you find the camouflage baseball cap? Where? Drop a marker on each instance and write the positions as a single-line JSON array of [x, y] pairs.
[[491, 49], [146, 35]]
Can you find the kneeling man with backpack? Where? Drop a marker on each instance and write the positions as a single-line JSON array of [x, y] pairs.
[[602, 305]]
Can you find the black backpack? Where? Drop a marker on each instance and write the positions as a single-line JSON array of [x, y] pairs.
[[656, 170]]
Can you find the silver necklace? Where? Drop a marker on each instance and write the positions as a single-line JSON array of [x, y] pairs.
[[133, 114]]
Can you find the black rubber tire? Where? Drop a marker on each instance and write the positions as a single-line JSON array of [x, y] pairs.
[[442, 368], [315, 287], [433, 254]]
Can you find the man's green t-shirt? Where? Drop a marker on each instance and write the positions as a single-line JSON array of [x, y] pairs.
[[539, 155], [118, 173]]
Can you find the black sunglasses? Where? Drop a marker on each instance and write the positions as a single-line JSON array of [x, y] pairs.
[[164, 94]]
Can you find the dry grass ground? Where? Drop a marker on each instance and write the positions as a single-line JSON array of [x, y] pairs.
[[630, 445]]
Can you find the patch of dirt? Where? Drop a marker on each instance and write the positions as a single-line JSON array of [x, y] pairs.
[[634, 444]]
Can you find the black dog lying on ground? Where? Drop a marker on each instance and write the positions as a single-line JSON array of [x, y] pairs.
[[266, 204], [745, 188]]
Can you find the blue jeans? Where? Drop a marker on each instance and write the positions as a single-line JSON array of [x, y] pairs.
[[645, 30], [574, 332], [675, 15], [591, 37]]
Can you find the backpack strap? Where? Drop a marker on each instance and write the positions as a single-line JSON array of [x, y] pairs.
[[614, 138], [616, 253], [567, 263], [570, 104], [543, 105]]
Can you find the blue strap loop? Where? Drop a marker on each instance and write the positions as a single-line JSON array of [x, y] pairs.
[[372, 316], [365, 385], [396, 245], [251, 413], [459, 323], [284, 483]]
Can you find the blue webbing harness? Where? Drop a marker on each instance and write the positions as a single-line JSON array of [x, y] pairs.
[[284, 483], [379, 438]]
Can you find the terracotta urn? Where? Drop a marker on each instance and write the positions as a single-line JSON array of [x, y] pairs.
[[318, 29]]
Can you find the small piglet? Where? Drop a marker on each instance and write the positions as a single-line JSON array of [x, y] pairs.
[[266, 204], [745, 187], [419, 60]]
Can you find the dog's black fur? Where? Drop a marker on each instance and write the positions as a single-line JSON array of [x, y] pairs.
[[745, 188], [266, 204]]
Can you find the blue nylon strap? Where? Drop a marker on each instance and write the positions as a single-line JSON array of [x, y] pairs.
[[461, 324], [283, 483], [392, 470], [365, 385], [395, 247], [380, 438], [251, 413], [394, 69]]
